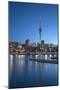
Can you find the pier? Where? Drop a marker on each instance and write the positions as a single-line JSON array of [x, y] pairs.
[[42, 57]]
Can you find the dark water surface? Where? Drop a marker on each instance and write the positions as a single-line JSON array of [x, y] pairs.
[[26, 73]]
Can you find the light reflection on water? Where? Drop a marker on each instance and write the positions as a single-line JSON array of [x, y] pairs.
[[24, 73]]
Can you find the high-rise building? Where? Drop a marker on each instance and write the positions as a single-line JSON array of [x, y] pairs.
[[42, 42], [27, 42]]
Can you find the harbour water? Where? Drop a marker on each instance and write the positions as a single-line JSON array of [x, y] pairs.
[[24, 72]]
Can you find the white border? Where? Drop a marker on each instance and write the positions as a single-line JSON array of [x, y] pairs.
[[4, 43]]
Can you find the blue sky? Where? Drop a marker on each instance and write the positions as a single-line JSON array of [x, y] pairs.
[[25, 19]]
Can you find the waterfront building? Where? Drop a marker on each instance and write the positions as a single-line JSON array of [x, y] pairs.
[[27, 42]]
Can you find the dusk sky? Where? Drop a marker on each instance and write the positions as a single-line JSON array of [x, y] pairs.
[[25, 19]]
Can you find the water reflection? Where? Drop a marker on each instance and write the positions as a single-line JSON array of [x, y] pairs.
[[23, 72]]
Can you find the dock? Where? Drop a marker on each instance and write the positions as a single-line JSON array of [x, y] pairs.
[[45, 61]]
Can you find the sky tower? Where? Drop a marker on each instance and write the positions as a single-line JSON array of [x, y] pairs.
[[40, 30]]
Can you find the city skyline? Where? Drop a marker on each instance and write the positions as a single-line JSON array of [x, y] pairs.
[[25, 20]]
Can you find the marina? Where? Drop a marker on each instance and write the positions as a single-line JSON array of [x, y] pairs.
[[24, 72], [33, 45]]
